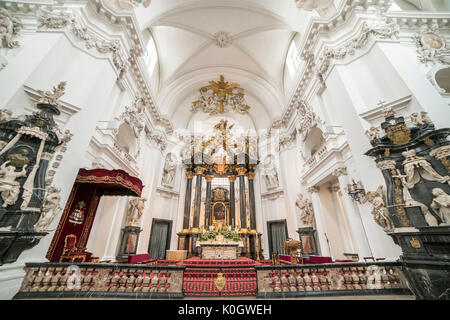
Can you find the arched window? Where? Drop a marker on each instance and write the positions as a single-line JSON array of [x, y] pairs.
[[293, 58], [151, 56]]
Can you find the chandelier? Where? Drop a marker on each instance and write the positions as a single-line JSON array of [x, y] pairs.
[[221, 97]]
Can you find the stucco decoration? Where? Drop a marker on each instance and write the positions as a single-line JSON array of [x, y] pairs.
[[322, 7], [431, 45], [10, 27], [128, 4]]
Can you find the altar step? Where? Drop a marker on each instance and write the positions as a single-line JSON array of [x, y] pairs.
[[196, 261], [240, 281]]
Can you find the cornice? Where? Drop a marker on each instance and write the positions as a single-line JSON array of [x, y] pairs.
[[68, 18], [316, 28]]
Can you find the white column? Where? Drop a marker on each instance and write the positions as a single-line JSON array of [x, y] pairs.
[[360, 241], [315, 199]]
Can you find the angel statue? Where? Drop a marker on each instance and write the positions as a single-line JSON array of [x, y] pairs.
[[9, 187], [379, 210]]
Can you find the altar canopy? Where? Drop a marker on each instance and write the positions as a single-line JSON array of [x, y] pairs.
[[81, 207]]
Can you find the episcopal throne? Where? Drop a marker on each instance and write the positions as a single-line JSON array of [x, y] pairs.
[[71, 253]]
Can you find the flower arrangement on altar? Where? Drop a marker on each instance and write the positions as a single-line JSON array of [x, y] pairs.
[[220, 236]]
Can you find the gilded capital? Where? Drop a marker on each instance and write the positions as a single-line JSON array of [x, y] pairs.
[[241, 171], [209, 178], [232, 178], [251, 175], [199, 170], [189, 174]]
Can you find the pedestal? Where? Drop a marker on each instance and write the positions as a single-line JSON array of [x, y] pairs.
[[426, 261], [128, 245], [308, 240]]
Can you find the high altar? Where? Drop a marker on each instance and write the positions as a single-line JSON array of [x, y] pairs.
[[221, 156]]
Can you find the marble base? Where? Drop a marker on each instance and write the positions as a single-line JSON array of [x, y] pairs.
[[219, 251]]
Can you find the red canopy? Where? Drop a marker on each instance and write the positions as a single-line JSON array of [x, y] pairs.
[[112, 182]]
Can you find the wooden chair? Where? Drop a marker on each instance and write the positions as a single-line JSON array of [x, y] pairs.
[[72, 254]]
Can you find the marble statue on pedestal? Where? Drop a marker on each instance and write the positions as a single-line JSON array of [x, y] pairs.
[[441, 204], [9, 187], [135, 211], [306, 210]]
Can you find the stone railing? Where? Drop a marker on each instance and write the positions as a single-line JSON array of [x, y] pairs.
[[82, 280], [379, 278], [317, 157]]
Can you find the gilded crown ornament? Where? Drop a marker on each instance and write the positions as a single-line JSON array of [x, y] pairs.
[[221, 97]]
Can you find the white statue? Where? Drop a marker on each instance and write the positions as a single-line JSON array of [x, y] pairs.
[[169, 171], [5, 115], [9, 187], [306, 210], [373, 133], [9, 28], [416, 167], [270, 173], [374, 278], [379, 210], [419, 118], [49, 210], [135, 211], [441, 203]]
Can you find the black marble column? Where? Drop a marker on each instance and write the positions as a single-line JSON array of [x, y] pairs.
[[187, 200], [232, 202], [208, 201], [243, 213], [198, 197], [251, 195]]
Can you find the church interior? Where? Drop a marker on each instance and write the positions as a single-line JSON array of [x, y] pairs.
[[178, 149]]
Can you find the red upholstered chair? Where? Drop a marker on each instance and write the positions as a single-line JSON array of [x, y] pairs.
[[72, 254]]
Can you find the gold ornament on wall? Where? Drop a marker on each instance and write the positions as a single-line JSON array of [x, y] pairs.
[[399, 134]]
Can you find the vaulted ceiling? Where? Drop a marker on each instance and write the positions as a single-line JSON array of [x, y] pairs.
[[255, 37]]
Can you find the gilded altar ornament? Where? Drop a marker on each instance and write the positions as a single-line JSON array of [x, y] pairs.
[[220, 281], [387, 152], [219, 97], [414, 243], [399, 134]]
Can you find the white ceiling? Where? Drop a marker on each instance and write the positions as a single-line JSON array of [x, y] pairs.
[[183, 30]]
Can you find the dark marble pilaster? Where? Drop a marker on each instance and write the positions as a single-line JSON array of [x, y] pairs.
[[198, 197], [208, 201], [232, 201]]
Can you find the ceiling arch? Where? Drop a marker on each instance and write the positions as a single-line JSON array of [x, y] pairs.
[[251, 50]]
